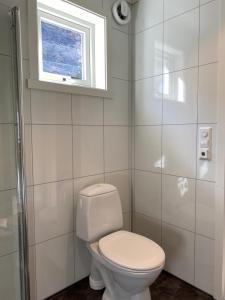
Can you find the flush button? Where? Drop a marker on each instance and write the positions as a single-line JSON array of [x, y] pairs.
[[205, 143]]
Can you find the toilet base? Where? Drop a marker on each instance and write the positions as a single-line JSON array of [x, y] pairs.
[[145, 295]]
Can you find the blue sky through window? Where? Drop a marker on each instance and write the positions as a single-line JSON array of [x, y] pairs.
[[62, 50]]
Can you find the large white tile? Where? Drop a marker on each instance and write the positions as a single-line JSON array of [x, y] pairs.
[[148, 52], [26, 93], [147, 13], [148, 194], [88, 150], [54, 213], [7, 157], [179, 248], [178, 201], [122, 181], [28, 151], [179, 150], [82, 259], [9, 222], [5, 31], [148, 101], [120, 55], [127, 221], [207, 102], [206, 168], [93, 4], [10, 277], [116, 139], [149, 227], [87, 110], [181, 42], [52, 153], [54, 265], [204, 264], [50, 107], [176, 7], [148, 148], [30, 215], [32, 272], [180, 91], [209, 28], [6, 86], [205, 208], [117, 109]]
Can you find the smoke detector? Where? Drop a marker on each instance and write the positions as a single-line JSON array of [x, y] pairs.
[[121, 12]]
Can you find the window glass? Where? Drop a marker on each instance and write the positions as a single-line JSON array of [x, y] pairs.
[[62, 50]]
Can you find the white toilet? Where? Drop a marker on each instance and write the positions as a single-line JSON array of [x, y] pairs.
[[125, 263]]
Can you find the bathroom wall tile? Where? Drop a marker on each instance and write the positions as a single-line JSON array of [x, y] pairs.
[[53, 205], [88, 150], [117, 109], [50, 107], [149, 227], [181, 49], [148, 101], [209, 25], [120, 55], [207, 102], [30, 215], [180, 91], [148, 194], [148, 140], [147, 13], [206, 168], [176, 7], [10, 277], [26, 93], [32, 272], [87, 110], [28, 150], [122, 181], [9, 222], [4, 31], [93, 4], [205, 208], [82, 259], [204, 264], [127, 221], [178, 201], [52, 153], [179, 150], [116, 139], [148, 52], [7, 157], [6, 105], [54, 265], [179, 248]]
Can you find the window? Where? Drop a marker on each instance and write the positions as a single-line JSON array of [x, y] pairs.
[[71, 45]]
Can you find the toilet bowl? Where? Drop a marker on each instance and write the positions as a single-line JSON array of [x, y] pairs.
[[125, 263]]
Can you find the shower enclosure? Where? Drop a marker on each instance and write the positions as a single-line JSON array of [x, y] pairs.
[[14, 283]]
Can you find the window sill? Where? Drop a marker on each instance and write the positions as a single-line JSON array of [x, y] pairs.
[[69, 89]]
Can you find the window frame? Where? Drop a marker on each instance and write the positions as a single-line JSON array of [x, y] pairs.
[[34, 81]]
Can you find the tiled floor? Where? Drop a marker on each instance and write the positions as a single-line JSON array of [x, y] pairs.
[[167, 287]]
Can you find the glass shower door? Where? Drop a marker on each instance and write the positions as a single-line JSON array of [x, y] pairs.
[[13, 257]]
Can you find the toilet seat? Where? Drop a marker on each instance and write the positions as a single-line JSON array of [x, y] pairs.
[[131, 251]]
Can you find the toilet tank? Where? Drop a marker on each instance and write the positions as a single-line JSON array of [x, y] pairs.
[[99, 212]]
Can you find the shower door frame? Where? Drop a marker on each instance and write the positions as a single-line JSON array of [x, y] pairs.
[[17, 62]]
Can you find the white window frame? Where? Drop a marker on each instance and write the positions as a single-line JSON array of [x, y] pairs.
[[36, 82]]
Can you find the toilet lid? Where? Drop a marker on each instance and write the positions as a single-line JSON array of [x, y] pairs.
[[132, 251]]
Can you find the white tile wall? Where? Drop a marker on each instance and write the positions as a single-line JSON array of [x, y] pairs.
[[71, 142], [188, 87]]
